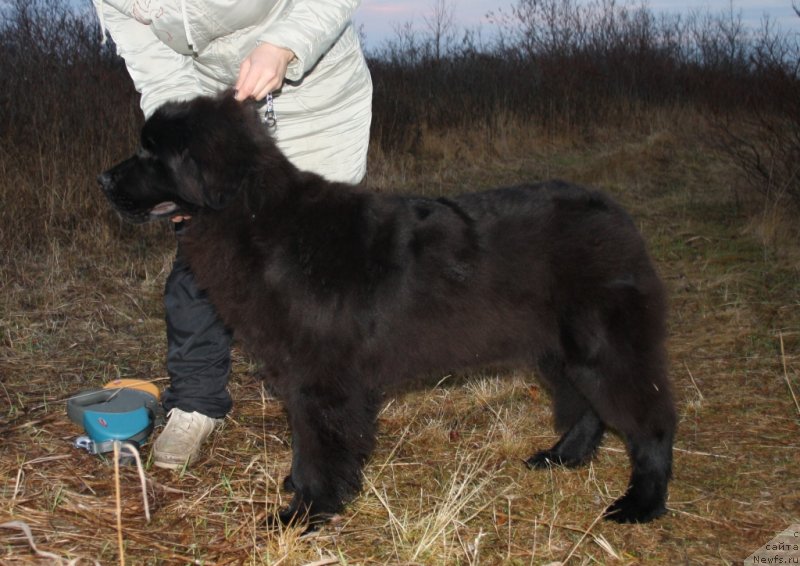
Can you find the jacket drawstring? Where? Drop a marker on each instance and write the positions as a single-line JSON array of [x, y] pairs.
[[186, 29]]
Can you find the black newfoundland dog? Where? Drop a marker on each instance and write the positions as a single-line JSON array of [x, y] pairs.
[[347, 294]]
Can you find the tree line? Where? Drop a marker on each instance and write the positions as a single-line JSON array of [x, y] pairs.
[[563, 65]]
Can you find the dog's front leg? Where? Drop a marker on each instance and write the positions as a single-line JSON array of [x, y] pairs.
[[333, 425]]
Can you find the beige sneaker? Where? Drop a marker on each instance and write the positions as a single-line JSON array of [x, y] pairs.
[[178, 445]]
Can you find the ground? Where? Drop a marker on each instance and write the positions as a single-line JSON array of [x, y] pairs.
[[447, 484]]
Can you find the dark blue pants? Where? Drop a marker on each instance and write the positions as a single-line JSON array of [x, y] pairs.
[[198, 347]]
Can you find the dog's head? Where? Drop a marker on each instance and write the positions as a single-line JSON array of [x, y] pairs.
[[193, 155]]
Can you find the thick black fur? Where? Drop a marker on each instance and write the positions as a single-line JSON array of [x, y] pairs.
[[346, 294]]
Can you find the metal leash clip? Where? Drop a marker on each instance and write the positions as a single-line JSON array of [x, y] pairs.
[[269, 113]]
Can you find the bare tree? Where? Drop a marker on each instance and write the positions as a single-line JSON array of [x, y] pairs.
[[441, 26]]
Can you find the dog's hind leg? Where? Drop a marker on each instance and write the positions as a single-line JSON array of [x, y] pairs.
[[333, 434], [582, 428], [614, 357], [633, 398], [645, 498]]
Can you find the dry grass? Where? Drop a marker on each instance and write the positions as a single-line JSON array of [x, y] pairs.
[[446, 484]]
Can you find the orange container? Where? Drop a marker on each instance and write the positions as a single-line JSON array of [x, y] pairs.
[[139, 384]]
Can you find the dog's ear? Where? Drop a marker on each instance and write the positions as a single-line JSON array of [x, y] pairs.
[[221, 149], [198, 185]]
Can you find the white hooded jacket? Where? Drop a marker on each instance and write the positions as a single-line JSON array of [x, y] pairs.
[[179, 49]]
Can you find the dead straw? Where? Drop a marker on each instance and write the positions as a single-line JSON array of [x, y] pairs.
[[583, 537], [786, 375]]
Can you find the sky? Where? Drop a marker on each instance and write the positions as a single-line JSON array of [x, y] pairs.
[[381, 17]]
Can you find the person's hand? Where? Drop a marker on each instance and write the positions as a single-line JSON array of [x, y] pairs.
[[262, 71], [180, 218]]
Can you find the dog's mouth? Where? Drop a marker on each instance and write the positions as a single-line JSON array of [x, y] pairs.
[[163, 209]]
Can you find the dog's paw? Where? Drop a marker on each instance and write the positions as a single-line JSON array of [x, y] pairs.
[[299, 515], [548, 458], [630, 509]]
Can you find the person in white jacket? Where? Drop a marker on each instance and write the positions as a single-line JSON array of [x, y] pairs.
[[304, 58]]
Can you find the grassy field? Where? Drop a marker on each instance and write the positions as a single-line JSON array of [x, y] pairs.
[[446, 484]]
